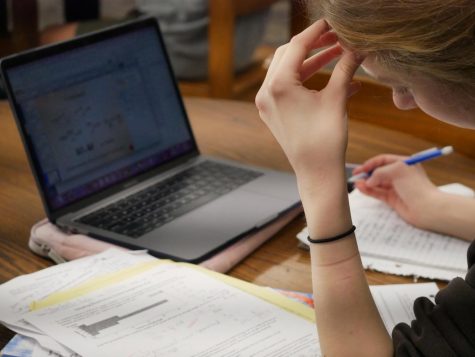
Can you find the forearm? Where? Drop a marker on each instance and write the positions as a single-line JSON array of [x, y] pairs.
[[344, 308], [452, 215], [311, 127]]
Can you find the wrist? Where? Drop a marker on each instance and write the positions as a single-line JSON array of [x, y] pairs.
[[431, 204], [325, 202], [320, 166], [320, 180]]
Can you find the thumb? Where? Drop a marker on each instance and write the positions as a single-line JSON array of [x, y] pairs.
[[343, 73]]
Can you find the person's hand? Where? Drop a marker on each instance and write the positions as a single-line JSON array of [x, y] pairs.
[[407, 189], [311, 126]]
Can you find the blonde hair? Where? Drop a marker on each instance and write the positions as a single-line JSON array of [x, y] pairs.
[[432, 37]]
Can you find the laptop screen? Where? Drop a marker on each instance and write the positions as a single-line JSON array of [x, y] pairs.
[[100, 113]]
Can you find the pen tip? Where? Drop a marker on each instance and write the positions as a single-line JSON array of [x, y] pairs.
[[447, 150]]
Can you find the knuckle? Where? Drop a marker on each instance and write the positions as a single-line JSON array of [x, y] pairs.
[[279, 52], [261, 101], [295, 39], [277, 88], [280, 49]]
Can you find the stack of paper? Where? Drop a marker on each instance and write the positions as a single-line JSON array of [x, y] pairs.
[[389, 244], [131, 304], [122, 304]]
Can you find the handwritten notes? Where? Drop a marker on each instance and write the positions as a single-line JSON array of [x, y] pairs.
[[389, 244]]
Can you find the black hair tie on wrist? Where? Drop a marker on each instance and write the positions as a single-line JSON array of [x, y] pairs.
[[331, 239]]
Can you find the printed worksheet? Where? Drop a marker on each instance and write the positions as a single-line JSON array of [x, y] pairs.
[[17, 294], [128, 304], [171, 310]]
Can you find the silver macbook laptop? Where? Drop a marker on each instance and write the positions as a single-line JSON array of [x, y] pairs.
[[113, 154]]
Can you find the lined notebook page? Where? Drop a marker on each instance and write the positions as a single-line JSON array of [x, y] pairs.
[[390, 245], [382, 233]]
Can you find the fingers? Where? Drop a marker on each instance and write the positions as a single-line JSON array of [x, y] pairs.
[[376, 192], [291, 59], [291, 66], [317, 35], [384, 176], [343, 73], [301, 45], [327, 39], [317, 61], [377, 161]]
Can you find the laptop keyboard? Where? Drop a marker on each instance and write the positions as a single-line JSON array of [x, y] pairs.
[[167, 200]]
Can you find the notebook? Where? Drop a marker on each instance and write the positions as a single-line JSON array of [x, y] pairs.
[[113, 154]]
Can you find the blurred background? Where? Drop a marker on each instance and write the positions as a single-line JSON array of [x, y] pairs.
[[218, 48]]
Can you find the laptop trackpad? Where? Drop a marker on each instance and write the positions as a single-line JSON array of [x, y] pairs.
[[214, 224]]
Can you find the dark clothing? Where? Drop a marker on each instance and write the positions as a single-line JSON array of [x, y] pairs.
[[446, 328]]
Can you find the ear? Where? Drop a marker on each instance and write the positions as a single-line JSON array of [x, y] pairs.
[[404, 101]]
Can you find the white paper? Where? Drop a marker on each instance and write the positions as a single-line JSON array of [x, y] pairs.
[[17, 294], [157, 311], [388, 244], [458, 189], [406, 269], [157, 308], [395, 302]]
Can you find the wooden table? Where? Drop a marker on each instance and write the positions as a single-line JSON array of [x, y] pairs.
[[223, 128]]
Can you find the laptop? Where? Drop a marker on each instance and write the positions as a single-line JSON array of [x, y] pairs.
[[113, 154]]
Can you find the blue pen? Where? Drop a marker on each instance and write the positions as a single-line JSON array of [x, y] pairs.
[[414, 159]]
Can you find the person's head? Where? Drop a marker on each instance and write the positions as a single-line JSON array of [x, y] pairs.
[[423, 49]]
